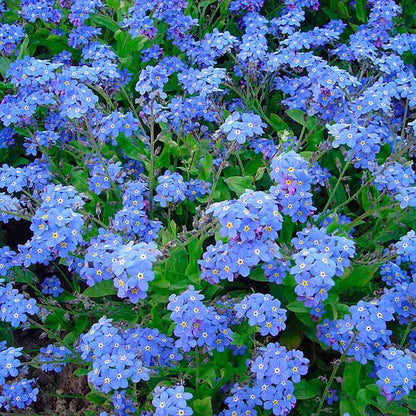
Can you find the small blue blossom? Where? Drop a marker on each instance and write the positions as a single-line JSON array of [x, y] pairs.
[[263, 311], [52, 286]]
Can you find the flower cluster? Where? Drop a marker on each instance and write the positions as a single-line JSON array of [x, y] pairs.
[[54, 358], [17, 393], [275, 370], [171, 401], [251, 223], [361, 334], [132, 219], [122, 404], [9, 362], [10, 37], [133, 269], [320, 257], [290, 173], [14, 306], [56, 226], [173, 189], [396, 373], [52, 286], [392, 274], [102, 178], [121, 355], [398, 180], [241, 127], [263, 311], [197, 325], [406, 247]]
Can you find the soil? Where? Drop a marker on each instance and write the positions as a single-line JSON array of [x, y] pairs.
[[56, 390]]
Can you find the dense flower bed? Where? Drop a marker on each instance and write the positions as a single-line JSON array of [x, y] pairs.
[[208, 207]]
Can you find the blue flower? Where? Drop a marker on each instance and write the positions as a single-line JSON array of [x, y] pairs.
[[320, 258], [240, 127], [52, 286], [263, 311], [10, 362], [14, 307], [197, 324], [19, 394], [396, 373], [171, 189], [171, 401], [53, 358]]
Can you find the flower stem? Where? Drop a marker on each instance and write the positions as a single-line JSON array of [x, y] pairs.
[[406, 333], [333, 374], [152, 160]]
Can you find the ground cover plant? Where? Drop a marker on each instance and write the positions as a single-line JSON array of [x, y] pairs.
[[207, 207]]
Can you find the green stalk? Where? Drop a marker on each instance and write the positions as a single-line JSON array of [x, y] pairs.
[[333, 374], [406, 333], [152, 160], [341, 175], [217, 176]]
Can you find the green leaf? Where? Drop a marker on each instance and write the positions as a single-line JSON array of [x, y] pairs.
[[352, 374], [277, 123], [308, 389], [65, 297], [6, 333], [208, 374], [135, 151], [95, 397], [126, 45], [195, 252], [105, 21], [343, 12], [104, 288], [412, 400], [57, 319], [302, 118], [224, 7], [4, 66], [347, 406], [160, 281], [357, 276], [340, 195], [206, 164], [298, 115], [202, 407], [238, 184], [297, 307], [361, 11], [239, 339], [364, 397], [70, 338], [291, 338], [178, 259], [258, 275], [80, 324], [114, 4], [22, 275], [334, 225], [23, 48], [306, 155], [287, 230], [79, 372], [330, 13], [260, 173]]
